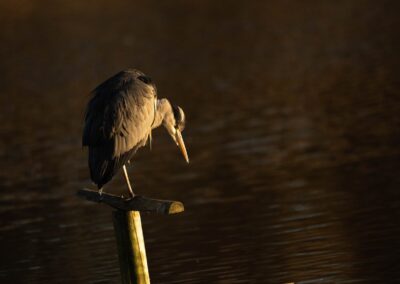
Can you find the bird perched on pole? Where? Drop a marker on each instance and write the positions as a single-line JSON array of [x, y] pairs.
[[119, 119]]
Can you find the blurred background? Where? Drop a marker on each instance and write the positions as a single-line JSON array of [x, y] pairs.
[[293, 133]]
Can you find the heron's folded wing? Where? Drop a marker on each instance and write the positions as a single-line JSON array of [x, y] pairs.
[[119, 116], [128, 120]]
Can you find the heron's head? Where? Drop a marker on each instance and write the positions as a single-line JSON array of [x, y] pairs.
[[174, 122]]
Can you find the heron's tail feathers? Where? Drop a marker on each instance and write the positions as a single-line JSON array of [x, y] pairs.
[[103, 167]]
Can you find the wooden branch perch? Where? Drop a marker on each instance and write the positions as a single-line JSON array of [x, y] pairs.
[[138, 203]]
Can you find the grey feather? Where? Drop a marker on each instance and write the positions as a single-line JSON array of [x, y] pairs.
[[118, 121]]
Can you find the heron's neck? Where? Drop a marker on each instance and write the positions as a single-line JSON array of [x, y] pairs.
[[163, 106]]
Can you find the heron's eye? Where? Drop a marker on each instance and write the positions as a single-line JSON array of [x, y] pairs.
[[179, 118], [145, 79]]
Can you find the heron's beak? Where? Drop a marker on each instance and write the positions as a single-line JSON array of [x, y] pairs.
[[181, 145]]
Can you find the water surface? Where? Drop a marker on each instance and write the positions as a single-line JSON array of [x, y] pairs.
[[293, 133]]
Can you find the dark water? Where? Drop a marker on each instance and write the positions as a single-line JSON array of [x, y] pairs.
[[293, 134]]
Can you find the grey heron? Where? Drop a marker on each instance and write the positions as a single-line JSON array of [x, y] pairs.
[[119, 119]]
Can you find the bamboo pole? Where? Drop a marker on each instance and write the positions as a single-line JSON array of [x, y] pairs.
[[131, 248], [128, 229], [138, 203]]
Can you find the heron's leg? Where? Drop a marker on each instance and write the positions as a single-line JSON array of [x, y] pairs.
[[127, 180]]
